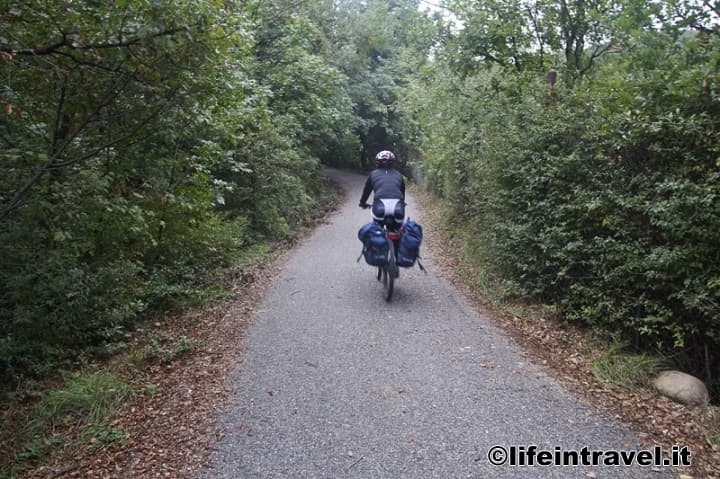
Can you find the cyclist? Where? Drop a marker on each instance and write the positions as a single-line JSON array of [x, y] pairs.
[[389, 187]]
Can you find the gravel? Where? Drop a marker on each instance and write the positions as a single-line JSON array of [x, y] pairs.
[[337, 383]]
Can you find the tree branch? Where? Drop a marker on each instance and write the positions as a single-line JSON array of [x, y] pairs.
[[538, 36], [112, 93], [64, 42], [39, 51], [86, 63], [714, 8], [58, 118], [597, 53], [96, 151], [6, 140], [16, 200], [17, 197], [485, 53]]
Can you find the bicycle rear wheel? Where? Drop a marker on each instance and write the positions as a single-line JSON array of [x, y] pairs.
[[389, 275]]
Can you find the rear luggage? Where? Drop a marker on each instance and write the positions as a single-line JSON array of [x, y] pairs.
[[409, 248], [376, 246]]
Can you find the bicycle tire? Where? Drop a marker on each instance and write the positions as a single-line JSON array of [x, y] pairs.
[[389, 276]]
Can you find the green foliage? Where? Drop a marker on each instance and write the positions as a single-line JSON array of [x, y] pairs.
[[164, 349], [600, 195], [38, 448], [379, 45], [521, 36], [104, 435], [144, 145]]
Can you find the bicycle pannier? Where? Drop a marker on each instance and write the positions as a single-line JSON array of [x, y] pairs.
[[375, 245], [409, 248]]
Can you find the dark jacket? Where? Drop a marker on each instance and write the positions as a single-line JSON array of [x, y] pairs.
[[387, 183]]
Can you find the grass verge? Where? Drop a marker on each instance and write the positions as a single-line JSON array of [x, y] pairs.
[[84, 404], [620, 366]]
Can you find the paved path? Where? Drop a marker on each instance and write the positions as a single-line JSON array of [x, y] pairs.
[[337, 383]]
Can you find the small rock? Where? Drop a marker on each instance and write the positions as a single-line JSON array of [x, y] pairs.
[[682, 388]]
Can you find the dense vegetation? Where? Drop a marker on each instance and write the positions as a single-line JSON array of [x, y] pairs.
[[145, 143], [579, 141]]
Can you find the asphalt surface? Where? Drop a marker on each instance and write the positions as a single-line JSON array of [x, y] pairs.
[[337, 383]]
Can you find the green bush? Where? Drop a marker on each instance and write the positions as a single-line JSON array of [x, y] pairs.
[[130, 171], [603, 197]]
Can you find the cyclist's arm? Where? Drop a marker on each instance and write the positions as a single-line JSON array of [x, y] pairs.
[[402, 187], [366, 191]]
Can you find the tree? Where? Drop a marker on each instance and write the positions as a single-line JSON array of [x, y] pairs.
[[598, 195], [537, 35], [144, 143], [380, 44]]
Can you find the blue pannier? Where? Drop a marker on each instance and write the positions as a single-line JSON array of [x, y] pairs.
[[409, 248], [375, 244]]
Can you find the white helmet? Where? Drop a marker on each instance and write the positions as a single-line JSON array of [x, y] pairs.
[[384, 159]]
